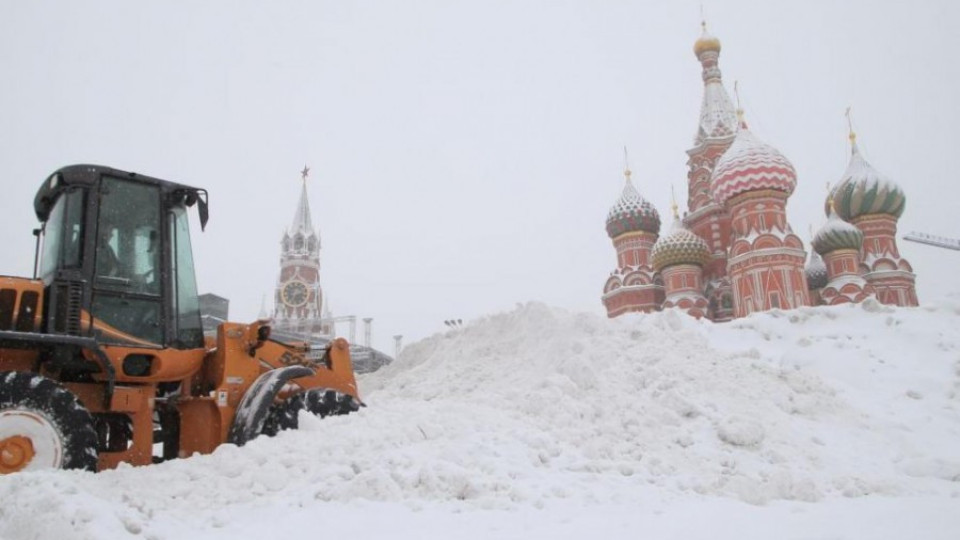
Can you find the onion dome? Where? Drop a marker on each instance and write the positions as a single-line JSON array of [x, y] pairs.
[[749, 165], [679, 247], [632, 213], [837, 234], [707, 42], [863, 190], [816, 272]]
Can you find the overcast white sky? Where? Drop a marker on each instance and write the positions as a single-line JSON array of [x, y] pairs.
[[463, 154]]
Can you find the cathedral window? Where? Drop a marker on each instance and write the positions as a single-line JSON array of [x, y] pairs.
[[298, 243]]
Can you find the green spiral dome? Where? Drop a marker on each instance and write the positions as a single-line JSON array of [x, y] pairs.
[[863, 190]]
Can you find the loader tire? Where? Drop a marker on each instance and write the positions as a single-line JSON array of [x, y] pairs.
[[43, 426], [318, 401]]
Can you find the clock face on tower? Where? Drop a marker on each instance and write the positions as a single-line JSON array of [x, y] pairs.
[[295, 293]]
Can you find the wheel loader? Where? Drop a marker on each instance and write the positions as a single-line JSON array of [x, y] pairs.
[[103, 359]]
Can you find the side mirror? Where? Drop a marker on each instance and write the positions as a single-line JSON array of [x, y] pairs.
[[202, 208]]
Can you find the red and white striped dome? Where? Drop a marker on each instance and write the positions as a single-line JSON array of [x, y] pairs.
[[750, 165]]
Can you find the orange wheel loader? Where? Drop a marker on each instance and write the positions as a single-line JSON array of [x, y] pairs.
[[103, 358]]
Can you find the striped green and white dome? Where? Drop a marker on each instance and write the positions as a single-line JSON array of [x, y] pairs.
[[837, 234], [863, 190]]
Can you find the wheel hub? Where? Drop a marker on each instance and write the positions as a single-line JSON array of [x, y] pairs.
[[28, 440], [15, 453]]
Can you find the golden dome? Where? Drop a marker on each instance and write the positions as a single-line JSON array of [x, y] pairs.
[[706, 43]]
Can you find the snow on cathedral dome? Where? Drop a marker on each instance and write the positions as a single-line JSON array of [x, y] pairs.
[[863, 190], [816, 272], [836, 234], [707, 42], [679, 247], [750, 165], [632, 213]]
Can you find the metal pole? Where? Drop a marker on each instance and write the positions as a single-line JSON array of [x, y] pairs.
[[367, 331], [397, 339]]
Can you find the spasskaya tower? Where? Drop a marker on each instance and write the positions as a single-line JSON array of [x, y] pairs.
[[298, 298]]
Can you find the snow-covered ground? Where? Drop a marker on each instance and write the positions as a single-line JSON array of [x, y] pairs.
[[826, 423]]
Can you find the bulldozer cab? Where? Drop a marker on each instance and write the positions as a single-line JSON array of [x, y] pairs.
[[116, 260]]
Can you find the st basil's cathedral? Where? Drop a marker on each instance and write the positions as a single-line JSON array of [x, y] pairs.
[[734, 252]]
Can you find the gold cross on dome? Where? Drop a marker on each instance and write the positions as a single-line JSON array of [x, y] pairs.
[[673, 203], [853, 134], [305, 172]]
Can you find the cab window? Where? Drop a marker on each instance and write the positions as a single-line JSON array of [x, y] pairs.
[[188, 332], [62, 238], [128, 242], [127, 289]]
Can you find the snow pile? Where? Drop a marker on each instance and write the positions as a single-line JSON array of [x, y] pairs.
[[798, 405], [567, 414]]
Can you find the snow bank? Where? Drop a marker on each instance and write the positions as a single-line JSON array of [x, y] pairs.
[[801, 405], [539, 409]]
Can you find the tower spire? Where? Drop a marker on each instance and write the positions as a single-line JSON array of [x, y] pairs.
[[718, 119], [263, 308], [302, 221]]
